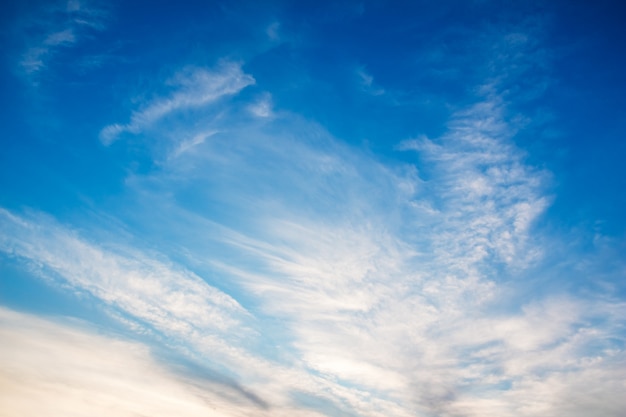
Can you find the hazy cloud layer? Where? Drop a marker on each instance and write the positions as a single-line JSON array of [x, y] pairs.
[[383, 284], [286, 271], [62, 369]]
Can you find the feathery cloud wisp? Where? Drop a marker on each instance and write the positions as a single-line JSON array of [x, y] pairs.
[[310, 276], [197, 87], [60, 27]]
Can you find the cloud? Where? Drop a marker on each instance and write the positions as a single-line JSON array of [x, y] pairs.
[[491, 195], [368, 290], [160, 301], [366, 82], [196, 87], [189, 144], [350, 286], [262, 107], [58, 27], [55, 368], [60, 38], [273, 31], [169, 299], [389, 287]]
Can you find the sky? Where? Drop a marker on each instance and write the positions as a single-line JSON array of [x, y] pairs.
[[340, 209]]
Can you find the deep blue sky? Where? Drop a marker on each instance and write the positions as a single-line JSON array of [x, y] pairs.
[[313, 208]]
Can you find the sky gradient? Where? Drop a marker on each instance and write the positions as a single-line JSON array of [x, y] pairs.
[[340, 209]]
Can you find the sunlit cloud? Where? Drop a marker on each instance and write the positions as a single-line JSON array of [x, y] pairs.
[[63, 368], [382, 282], [258, 264]]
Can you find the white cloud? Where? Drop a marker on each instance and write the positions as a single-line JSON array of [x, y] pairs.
[[65, 36], [32, 60], [59, 27], [189, 144], [262, 107], [490, 195], [169, 298], [197, 87], [383, 283], [366, 81], [273, 31], [373, 290], [48, 368], [193, 317], [368, 288]]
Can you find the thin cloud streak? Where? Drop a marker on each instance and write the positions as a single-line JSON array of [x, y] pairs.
[[197, 87], [59, 27], [170, 299]]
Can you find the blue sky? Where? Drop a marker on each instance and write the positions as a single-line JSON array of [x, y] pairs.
[[342, 209]]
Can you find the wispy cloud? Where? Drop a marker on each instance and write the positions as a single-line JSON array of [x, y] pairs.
[[491, 196], [385, 282], [60, 38], [59, 26], [366, 81], [262, 107], [273, 31], [48, 367], [169, 299], [195, 87], [349, 286], [383, 285], [369, 289]]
